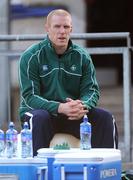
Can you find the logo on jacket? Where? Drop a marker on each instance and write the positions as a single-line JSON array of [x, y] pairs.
[[73, 68], [45, 67]]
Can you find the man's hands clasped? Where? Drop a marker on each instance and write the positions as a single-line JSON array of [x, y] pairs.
[[73, 109]]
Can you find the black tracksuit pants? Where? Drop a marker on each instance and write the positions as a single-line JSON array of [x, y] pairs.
[[44, 126]]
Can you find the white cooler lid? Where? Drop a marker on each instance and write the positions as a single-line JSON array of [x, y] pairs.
[[50, 152], [34, 160], [97, 155]]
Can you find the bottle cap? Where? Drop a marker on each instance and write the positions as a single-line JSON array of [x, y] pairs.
[[26, 124], [85, 118], [11, 124]]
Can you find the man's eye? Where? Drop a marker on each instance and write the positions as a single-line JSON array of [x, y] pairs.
[[57, 26], [66, 27]]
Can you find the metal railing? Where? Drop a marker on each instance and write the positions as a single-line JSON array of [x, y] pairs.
[[124, 51]]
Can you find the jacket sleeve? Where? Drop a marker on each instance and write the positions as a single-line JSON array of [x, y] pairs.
[[30, 85], [89, 89]]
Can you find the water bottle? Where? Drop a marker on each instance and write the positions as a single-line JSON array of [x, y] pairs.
[[85, 134], [2, 143], [11, 141], [26, 141]]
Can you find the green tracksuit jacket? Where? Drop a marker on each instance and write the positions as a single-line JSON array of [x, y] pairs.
[[46, 79]]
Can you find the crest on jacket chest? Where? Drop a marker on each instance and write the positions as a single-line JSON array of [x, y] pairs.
[[45, 67], [73, 67]]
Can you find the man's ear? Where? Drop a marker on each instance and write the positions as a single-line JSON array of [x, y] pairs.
[[46, 27], [71, 29]]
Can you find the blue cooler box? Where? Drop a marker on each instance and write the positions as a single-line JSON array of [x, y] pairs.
[[49, 155], [23, 169], [94, 164]]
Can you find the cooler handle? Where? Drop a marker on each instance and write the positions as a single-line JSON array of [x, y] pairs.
[[42, 171], [62, 173], [85, 174]]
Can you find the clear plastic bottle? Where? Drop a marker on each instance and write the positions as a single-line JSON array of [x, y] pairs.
[[11, 141], [2, 143], [26, 141], [85, 134]]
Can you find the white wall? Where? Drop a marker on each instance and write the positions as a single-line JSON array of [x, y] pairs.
[[78, 15]]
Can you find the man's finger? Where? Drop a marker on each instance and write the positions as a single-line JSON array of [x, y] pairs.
[[68, 99]]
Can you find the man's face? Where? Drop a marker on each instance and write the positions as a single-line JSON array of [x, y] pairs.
[[59, 28]]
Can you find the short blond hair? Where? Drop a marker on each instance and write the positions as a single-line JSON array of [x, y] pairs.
[[60, 12]]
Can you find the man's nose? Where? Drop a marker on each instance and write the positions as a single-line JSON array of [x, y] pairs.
[[62, 29]]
